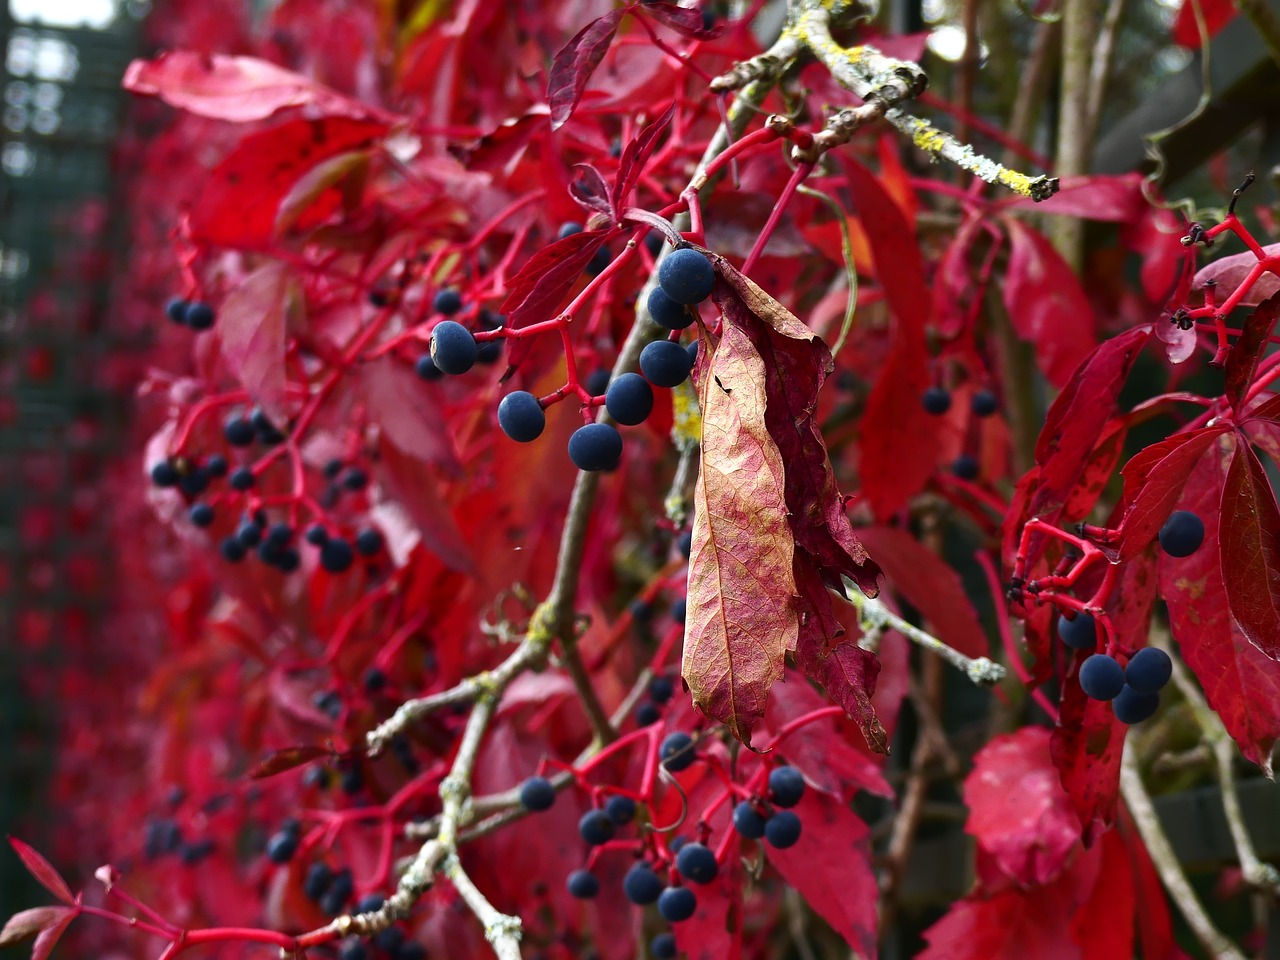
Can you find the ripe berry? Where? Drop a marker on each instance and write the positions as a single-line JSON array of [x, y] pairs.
[[1080, 633], [1148, 670], [241, 479], [249, 534], [692, 351], [537, 794], [339, 891], [676, 752], [686, 276], [193, 853], [201, 514], [389, 940], [641, 885], [965, 467], [595, 828], [165, 474], [216, 465], [521, 417], [368, 542], [374, 681], [782, 830], [176, 310], [317, 535], [355, 479], [629, 399], [696, 862], [489, 352], [232, 550], [597, 382], [653, 241], [685, 544], [666, 312], [596, 446], [317, 881], [288, 560], [640, 611], [1131, 707], [583, 884], [369, 903], [621, 810], [786, 786], [647, 714], [198, 315], [748, 821], [447, 302], [281, 847], [679, 610], [453, 348], [426, 368], [279, 535], [665, 364], [663, 946], [1182, 534], [568, 229], [411, 951], [599, 260], [351, 949], [328, 702], [1101, 677], [676, 904], [936, 401], [984, 403], [661, 689], [239, 431], [195, 482]]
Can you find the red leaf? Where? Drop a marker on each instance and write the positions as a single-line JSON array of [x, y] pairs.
[[49, 937], [414, 485], [251, 329], [1229, 272], [830, 867], [1239, 682], [1153, 481], [1111, 199], [1086, 748], [1217, 14], [1250, 551], [240, 204], [1046, 304], [575, 63], [30, 922], [714, 932], [925, 581], [1104, 925], [1097, 471], [848, 674], [684, 20], [286, 759], [590, 192], [1018, 811], [636, 154], [238, 89], [43, 871], [405, 408], [1242, 361]]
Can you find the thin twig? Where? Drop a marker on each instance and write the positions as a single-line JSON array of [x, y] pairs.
[[1100, 69]]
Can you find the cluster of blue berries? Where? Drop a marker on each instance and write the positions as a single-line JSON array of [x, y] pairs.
[[1134, 689], [776, 824], [937, 401], [194, 314]]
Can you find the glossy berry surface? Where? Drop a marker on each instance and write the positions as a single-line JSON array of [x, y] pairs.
[[665, 364], [621, 810], [647, 714], [1131, 707], [786, 786], [686, 276], [582, 884], [241, 479], [453, 348], [984, 403], [1080, 633], [198, 316], [447, 302], [176, 310], [666, 312], [696, 862], [1148, 670], [782, 830], [677, 904], [568, 229], [595, 828], [676, 752], [1101, 677], [369, 542], [661, 689], [748, 821], [663, 946], [641, 885], [521, 417], [965, 467], [282, 846], [596, 446], [201, 515], [239, 432], [629, 399], [1181, 534], [165, 474], [936, 400], [537, 794]]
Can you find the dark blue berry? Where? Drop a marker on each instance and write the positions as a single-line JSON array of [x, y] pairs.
[[641, 885], [521, 417], [677, 904], [281, 847], [217, 465], [369, 903], [317, 880], [201, 514], [342, 888], [665, 364], [332, 468], [198, 315], [984, 403], [318, 777], [328, 702], [597, 382], [195, 482], [232, 550], [249, 534], [426, 368], [1080, 633], [389, 940], [193, 853], [351, 949], [369, 542], [621, 810], [596, 446], [355, 479], [679, 610], [279, 535], [661, 689], [595, 828], [663, 946], [965, 467], [647, 714], [782, 830], [666, 312], [1148, 670], [696, 862], [1101, 677], [489, 352], [1130, 706], [374, 680], [568, 229], [165, 474], [582, 884], [352, 781], [936, 400], [677, 752], [640, 611], [685, 544], [317, 535], [748, 821], [686, 276], [786, 786], [653, 241], [241, 479], [599, 260], [692, 351], [1182, 534], [537, 794], [629, 399], [453, 348], [447, 302], [176, 310]]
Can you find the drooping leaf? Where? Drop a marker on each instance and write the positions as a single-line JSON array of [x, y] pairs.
[[589, 191], [848, 673], [740, 622], [1046, 304], [684, 20], [1242, 360], [42, 870], [1231, 271], [251, 327], [574, 64], [28, 923], [1250, 551], [287, 759], [237, 89], [636, 154], [406, 410]]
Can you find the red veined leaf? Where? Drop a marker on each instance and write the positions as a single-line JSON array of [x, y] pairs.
[[1231, 271], [1241, 684], [740, 623], [287, 759], [848, 673], [252, 324], [1153, 481], [1268, 409], [1104, 197], [49, 936], [1086, 748], [237, 89], [1097, 471], [42, 870], [1250, 551], [589, 191], [636, 154], [684, 20], [1242, 360], [405, 408], [28, 923], [575, 63], [1046, 304]]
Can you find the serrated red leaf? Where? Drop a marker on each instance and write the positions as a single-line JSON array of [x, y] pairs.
[[286, 759], [42, 870], [237, 89], [28, 923], [1242, 360], [575, 62], [1250, 551], [1046, 304], [406, 410], [251, 328], [1153, 481], [1231, 271], [636, 154], [1018, 810], [589, 191], [684, 20]]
